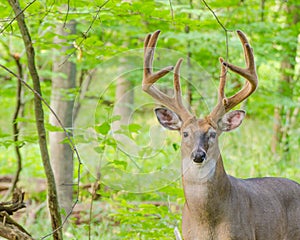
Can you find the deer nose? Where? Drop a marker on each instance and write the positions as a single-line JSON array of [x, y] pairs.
[[199, 156]]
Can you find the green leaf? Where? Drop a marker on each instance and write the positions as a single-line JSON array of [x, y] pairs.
[[134, 127], [110, 142], [99, 149], [103, 128], [115, 118], [52, 128], [175, 146], [119, 163]]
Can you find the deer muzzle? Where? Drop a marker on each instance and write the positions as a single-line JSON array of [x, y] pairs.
[[198, 156]]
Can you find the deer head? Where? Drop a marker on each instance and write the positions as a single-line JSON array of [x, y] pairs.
[[199, 144]]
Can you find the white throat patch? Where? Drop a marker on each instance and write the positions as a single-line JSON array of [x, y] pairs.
[[206, 171], [196, 172]]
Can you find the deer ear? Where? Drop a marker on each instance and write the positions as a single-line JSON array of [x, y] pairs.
[[168, 118], [231, 120]]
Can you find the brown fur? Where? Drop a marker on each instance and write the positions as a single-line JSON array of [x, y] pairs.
[[222, 207]]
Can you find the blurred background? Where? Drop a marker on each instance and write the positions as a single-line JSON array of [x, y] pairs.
[[89, 56]]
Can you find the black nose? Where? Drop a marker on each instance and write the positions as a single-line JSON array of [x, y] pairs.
[[198, 156]]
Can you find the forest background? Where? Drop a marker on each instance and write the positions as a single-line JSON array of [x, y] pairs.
[[115, 168]]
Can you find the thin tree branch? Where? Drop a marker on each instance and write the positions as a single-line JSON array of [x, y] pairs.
[[67, 14], [222, 26], [171, 9], [87, 31], [16, 129], [21, 12], [82, 90]]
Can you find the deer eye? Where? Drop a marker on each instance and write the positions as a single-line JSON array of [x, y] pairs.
[[213, 134], [185, 134]]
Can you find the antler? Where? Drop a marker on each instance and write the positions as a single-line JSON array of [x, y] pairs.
[[175, 102], [249, 73]]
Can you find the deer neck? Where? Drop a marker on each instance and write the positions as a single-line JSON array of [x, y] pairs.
[[205, 185]]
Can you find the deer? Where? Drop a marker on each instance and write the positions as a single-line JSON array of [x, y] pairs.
[[219, 206]]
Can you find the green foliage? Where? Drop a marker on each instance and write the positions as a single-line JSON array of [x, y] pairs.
[[145, 221]]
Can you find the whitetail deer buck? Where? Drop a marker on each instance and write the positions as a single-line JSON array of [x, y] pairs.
[[219, 206]]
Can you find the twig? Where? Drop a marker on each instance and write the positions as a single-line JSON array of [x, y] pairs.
[[95, 187], [16, 129], [21, 12], [171, 9], [67, 14], [221, 24], [177, 234], [86, 32], [82, 91]]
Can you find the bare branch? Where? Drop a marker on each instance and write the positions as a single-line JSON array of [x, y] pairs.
[[67, 14], [16, 129], [221, 24]]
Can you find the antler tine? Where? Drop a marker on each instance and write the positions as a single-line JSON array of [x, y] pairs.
[[221, 94], [176, 82], [149, 48], [249, 73], [219, 110], [175, 102], [180, 108]]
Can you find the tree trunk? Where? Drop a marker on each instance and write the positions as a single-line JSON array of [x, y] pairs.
[[63, 81], [189, 65], [124, 99], [123, 107], [39, 118], [282, 114]]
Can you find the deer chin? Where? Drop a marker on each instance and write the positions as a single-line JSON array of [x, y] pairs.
[[207, 169], [199, 172]]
